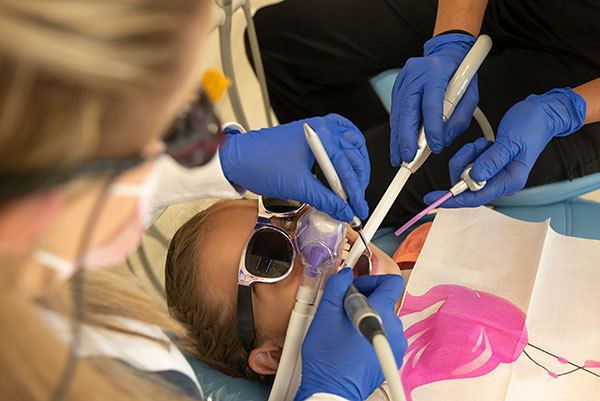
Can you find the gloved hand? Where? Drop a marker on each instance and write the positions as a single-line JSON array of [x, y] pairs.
[[418, 95], [524, 132], [277, 162], [336, 359]]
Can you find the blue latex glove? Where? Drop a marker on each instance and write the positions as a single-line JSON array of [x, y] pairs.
[[419, 91], [336, 359], [277, 162], [524, 132]]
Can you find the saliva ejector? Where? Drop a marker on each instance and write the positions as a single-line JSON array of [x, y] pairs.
[[319, 241]]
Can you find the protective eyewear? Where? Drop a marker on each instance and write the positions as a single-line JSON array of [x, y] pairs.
[[267, 257], [192, 141]]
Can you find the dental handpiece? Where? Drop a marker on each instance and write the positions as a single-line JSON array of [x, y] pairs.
[[454, 92], [329, 171], [466, 182], [319, 240]]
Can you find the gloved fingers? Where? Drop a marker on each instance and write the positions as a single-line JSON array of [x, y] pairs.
[[405, 117], [348, 136], [382, 290], [358, 141], [433, 101], [467, 198], [359, 162], [494, 159], [351, 183], [465, 156], [351, 133], [460, 120], [432, 196], [336, 288], [323, 199], [508, 181], [395, 331], [457, 164]]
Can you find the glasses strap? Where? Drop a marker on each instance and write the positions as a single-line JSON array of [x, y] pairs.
[[245, 318]]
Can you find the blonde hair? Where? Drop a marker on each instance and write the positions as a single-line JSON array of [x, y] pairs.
[[33, 358], [72, 73]]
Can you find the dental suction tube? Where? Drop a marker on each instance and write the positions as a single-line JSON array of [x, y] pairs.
[[454, 92], [319, 240]]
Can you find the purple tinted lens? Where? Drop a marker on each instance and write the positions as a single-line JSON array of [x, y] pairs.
[[275, 205], [195, 137], [269, 254]]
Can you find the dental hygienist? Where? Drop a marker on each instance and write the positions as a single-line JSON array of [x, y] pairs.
[[92, 139]]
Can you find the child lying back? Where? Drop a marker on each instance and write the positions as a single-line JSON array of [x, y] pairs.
[[202, 270]]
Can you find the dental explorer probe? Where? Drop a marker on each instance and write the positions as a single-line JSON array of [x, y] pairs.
[[365, 319], [329, 172], [454, 92]]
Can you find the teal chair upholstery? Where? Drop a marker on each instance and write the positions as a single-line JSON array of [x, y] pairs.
[[217, 386]]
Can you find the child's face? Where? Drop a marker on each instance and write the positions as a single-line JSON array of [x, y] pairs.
[[224, 236]]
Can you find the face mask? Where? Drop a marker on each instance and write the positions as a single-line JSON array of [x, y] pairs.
[[122, 243]]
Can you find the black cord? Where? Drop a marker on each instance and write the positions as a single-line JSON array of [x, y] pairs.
[[77, 295], [577, 367]]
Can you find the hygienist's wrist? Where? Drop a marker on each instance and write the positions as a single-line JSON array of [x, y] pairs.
[[457, 40], [565, 109], [590, 92]]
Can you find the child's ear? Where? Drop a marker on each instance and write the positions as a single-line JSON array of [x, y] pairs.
[[264, 359]]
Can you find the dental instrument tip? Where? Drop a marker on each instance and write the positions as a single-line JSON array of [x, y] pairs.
[[363, 239], [420, 215]]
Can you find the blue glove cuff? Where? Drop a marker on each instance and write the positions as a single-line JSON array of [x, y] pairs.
[[566, 110], [227, 165], [459, 40]]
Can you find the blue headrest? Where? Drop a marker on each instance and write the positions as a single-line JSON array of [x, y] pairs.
[[218, 386]]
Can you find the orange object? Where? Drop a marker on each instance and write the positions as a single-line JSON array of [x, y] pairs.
[[215, 84], [408, 252]]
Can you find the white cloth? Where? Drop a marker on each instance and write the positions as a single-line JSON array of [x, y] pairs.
[[178, 184], [139, 352]]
